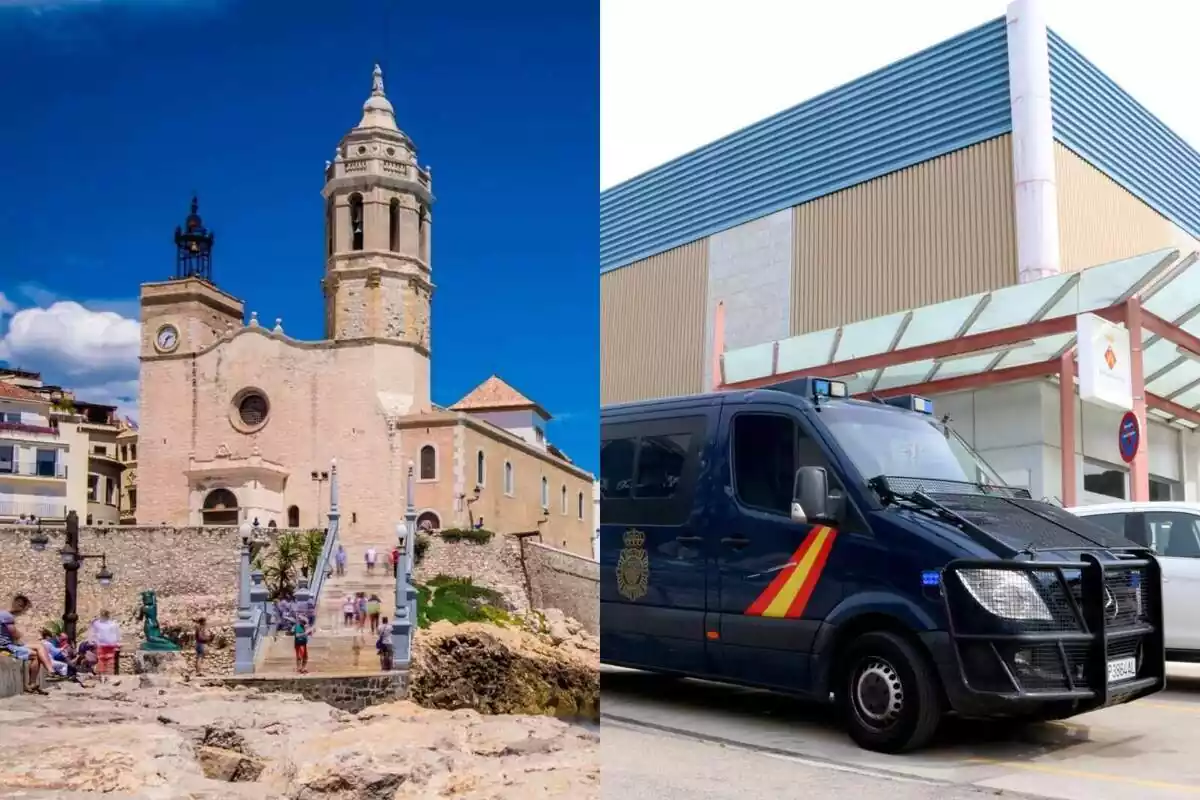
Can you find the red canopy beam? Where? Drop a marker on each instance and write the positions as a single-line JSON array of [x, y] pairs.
[[980, 380], [948, 348], [1173, 408], [1067, 414], [1176, 336], [1139, 468]]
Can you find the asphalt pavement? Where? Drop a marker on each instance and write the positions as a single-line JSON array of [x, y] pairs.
[[663, 738]]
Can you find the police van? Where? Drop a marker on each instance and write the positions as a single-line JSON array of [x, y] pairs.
[[859, 552]]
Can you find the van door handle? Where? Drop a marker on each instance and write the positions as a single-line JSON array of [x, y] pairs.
[[689, 539], [735, 541]]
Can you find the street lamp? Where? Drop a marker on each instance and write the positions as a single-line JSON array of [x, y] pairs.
[[72, 560], [319, 478]]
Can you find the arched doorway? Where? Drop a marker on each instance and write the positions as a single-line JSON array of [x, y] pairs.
[[293, 516], [428, 521], [220, 508]]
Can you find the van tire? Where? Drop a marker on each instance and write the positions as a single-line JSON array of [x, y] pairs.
[[889, 693]]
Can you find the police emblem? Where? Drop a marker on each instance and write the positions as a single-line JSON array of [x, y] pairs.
[[633, 567]]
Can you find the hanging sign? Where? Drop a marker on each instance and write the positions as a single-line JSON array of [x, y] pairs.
[[1104, 359], [1129, 436]]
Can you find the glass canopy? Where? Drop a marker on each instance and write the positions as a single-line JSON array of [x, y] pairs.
[[1168, 284]]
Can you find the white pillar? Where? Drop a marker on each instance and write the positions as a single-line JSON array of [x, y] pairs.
[[1035, 193]]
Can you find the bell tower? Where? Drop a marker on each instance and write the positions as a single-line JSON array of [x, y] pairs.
[[377, 283]]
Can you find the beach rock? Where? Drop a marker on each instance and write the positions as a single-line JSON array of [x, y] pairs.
[[176, 740], [507, 670]]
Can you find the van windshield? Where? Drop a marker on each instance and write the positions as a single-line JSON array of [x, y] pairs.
[[883, 441]]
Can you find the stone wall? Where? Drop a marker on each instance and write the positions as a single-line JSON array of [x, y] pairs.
[[350, 693], [526, 572], [496, 564], [193, 570], [12, 683], [562, 580]]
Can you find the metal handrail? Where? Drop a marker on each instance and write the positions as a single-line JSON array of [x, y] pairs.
[[331, 536]]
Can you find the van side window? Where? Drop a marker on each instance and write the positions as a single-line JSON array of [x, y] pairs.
[[764, 461], [647, 470], [660, 464], [616, 468]]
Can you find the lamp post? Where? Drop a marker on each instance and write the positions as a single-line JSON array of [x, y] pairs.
[[404, 619], [318, 478], [72, 560]]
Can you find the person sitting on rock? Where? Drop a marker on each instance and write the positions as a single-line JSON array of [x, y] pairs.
[[33, 655], [59, 657]]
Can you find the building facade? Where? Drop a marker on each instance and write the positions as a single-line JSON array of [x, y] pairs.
[[999, 157], [241, 421]]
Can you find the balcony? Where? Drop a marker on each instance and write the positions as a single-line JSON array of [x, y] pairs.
[[19, 428], [11, 510], [34, 469]]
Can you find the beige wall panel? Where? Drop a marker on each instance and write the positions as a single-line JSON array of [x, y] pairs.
[[1100, 221], [935, 231], [652, 326]]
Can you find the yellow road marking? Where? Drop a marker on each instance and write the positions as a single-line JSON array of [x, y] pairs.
[[1087, 775], [1190, 708]]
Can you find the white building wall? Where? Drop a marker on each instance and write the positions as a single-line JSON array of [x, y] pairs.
[[1016, 429]]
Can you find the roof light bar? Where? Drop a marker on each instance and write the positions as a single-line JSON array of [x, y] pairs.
[[912, 402]]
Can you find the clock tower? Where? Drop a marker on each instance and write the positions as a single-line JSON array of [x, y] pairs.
[[187, 313]]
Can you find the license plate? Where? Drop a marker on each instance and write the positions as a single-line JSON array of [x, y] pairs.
[[1122, 669]]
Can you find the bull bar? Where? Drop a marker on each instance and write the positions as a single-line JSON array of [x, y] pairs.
[[1100, 612]]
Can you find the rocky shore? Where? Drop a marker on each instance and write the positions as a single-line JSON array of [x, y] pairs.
[[153, 737]]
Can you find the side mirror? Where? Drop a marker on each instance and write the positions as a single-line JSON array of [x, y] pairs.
[[811, 501]]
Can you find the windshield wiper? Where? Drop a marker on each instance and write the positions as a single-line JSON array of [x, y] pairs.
[[920, 501]]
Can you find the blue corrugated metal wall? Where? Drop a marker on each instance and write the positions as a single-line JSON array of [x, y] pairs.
[[1107, 127], [947, 97]]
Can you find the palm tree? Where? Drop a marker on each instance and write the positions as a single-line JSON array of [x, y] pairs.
[[279, 565]]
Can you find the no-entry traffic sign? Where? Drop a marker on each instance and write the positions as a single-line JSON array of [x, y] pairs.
[[1129, 436]]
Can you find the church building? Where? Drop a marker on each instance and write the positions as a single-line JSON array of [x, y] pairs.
[[239, 421]]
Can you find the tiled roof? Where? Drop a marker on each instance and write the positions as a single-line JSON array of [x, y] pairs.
[[9, 391], [494, 395]]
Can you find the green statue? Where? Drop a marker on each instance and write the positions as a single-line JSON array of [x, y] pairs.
[[148, 616]]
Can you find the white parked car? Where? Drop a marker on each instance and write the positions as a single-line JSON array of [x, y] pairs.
[[1173, 530]]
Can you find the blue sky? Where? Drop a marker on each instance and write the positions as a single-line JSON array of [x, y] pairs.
[[123, 108]]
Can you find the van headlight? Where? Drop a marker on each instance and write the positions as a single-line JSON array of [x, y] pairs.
[[1006, 593]]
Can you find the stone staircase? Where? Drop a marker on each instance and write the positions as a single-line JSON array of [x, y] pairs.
[[331, 646]]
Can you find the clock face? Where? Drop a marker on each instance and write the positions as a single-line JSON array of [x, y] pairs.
[[167, 338]]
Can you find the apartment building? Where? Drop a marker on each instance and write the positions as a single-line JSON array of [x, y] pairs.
[[127, 442], [59, 454], [35, 458]]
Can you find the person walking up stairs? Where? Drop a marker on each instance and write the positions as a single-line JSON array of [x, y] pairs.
[[331, 639]]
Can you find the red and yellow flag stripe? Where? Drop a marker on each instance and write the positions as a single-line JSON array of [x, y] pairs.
[[788, 593]]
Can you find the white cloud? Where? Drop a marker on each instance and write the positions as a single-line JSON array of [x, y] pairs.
[[73, 340], [90, 351], [6, 306], [677, 74]]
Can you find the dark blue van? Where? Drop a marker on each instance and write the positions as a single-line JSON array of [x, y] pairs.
[[794, 539]]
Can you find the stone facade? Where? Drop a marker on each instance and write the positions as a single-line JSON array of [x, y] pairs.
[[350, 693], [458, 439], [241, 421], [194, 571]]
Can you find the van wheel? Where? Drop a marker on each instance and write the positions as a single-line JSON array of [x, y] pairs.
[[890, 695]]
